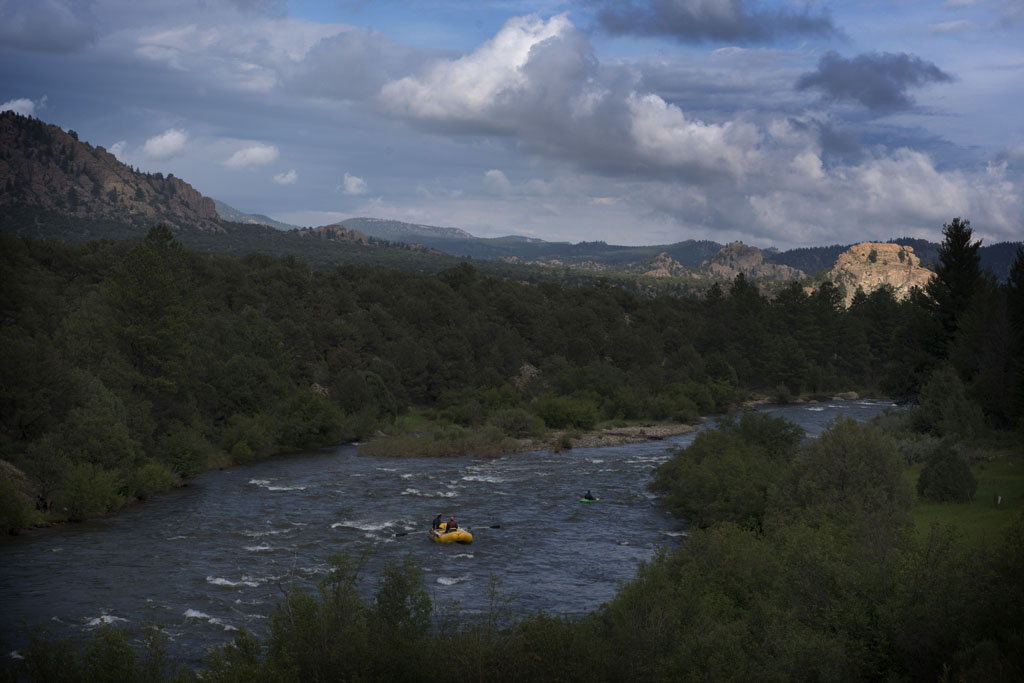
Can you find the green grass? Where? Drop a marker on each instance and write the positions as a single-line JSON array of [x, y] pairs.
[[1001, 475]]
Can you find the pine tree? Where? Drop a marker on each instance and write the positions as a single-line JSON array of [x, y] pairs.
[[956, 276]]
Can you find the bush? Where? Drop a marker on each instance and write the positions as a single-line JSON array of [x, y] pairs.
[[560, 412], [89, 490], [517, 422], [152, 477], [947, 478], [16, 509]]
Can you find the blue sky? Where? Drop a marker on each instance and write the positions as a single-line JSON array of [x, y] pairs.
[[629, 121]]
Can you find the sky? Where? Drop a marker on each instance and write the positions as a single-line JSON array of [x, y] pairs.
[[635, 122]]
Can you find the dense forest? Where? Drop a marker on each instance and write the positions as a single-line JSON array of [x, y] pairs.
[[132, 365]]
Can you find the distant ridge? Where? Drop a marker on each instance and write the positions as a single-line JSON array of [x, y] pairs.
[[230, 213]]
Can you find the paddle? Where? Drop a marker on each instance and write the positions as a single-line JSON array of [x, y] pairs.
[[406, 533]]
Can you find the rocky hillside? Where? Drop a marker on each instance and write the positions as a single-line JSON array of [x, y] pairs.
[[44, 167], [664, 265], [869, 265], [334, 233], [736, 258]]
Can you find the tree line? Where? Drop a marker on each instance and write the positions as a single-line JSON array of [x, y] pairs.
[[802, 561], [130, 365]]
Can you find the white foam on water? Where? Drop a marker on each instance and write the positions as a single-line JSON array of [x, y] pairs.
[[259, 482], [675, 534], [218, 581], [408, 476], [103, 620], [176, 538], [816, 409], [467, 555], [261, 548], [490, 479], [270, 532], [16, 655], [364, 525], [287, 488], [452, 580], [56, 550], [196, 614]]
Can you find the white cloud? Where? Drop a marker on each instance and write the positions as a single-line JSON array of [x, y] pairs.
[[467, 88], [252, 156], [22, 105], [118, 149], [166, 145], [288, 178], [353, 185], [958, 26], [497, 181]]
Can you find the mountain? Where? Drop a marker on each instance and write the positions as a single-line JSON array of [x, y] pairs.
[[44, 167], [233, 215]]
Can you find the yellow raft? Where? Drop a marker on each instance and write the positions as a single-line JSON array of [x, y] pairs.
[[442, 535]]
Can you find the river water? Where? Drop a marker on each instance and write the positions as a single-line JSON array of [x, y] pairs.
[[205, 560]]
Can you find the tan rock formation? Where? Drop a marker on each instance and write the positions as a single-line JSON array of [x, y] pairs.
[[664, 265], [736, 258], [869, 265]]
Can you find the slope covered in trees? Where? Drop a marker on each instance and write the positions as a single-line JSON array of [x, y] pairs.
[[130, 365], [136, 362]]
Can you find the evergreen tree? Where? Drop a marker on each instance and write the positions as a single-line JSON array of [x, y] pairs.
[[956, 276]]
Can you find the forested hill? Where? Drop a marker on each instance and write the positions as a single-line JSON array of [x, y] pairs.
[[130, 364]]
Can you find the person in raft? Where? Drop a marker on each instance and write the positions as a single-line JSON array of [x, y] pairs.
[[452, 525], [437, 522], [588, 496]]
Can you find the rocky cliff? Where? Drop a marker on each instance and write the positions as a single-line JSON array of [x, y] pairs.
[[736, 258], [869, 265], [334, 233], [45, 167]]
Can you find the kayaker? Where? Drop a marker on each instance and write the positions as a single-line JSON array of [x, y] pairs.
[[437, 522], [588, 495]]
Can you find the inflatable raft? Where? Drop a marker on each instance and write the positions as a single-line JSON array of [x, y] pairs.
[[442, 535]]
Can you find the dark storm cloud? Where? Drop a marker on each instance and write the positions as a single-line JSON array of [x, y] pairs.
[[696, 21], [877, 81], [46, 25]]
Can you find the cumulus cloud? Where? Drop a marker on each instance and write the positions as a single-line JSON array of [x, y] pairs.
[[877, 81], [353, 185], [252, 156], [497, 181], [118, 149], [539, 81], [695, 21], [287, 178], [165, 145], [46, 25], [22, 105]]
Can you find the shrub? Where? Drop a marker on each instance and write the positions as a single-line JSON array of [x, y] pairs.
[[559, 412], [517, 422], [947, 478], [89, 490]]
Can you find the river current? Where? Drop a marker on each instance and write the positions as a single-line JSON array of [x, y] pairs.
[[213, 557]]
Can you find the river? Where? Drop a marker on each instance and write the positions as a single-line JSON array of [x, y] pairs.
[[210, 558]]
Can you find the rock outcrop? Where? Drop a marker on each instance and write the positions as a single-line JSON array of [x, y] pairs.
[[45, 167], [736, 258], [335, 233], [664, 265], [870, 265]]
